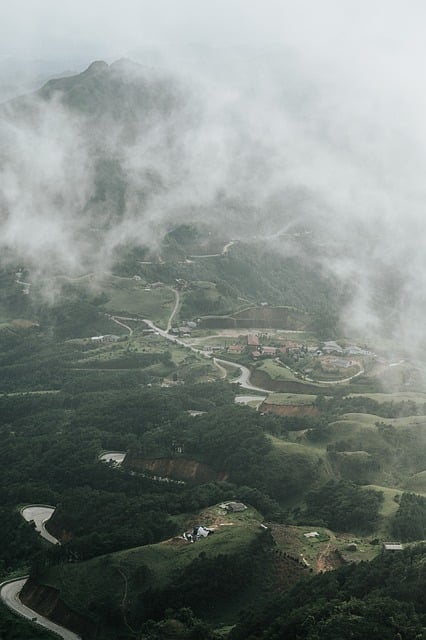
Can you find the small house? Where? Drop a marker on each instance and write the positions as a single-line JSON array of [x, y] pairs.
[[235, 348], [392, 546], [332, 347], [107, 338], [269, 351]]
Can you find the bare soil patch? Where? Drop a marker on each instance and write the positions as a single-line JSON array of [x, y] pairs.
[[329, 559], [20, 323]]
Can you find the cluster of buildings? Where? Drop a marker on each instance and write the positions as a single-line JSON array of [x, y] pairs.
[[257, 350], [333, 348], [332, 356]]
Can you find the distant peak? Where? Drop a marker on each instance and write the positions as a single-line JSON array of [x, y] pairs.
[[96, 67]]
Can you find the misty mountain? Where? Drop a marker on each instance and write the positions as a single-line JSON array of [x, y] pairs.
[[125, 95], [123, 90], [19, 76], [87, 151], [119, 154]]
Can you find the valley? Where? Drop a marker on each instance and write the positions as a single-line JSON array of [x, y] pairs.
[[313, 437], [195, 442]]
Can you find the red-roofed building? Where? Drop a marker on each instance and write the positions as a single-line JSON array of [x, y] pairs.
[[269, 351], [235, 348], [252, 340]]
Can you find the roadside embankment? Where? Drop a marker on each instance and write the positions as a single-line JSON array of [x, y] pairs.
[[46, 601], [175, 468]]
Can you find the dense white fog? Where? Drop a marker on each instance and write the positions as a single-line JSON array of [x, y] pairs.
[[281, 116]]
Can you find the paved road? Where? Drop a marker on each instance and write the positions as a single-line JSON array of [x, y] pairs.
[[175, 308], [224, 251], [9, 594], [340, 381], [9, 591], [243, 378], [39, 514], [113, 456], [227, 247]]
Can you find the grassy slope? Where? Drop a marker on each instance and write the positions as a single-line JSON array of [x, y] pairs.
[[363, 435], [399, 396], [276, 371], [389, 506], [103, 577], [417, 483], [310, 451], [362, 432]]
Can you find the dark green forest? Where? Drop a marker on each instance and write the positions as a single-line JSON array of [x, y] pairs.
[[382, 600]]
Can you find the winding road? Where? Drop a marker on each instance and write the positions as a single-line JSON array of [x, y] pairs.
[[40, 514], [224, 251], [9, 593], [116, 457], [242, 380], [10, 590], [174, 310]]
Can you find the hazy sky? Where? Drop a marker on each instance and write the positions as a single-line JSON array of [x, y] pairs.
[[67, 28]]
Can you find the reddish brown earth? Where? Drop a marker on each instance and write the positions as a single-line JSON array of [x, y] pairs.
[[329, 559], [46, 601], [287, 538]]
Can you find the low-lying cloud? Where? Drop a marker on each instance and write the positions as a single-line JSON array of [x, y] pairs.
[[275, 143]]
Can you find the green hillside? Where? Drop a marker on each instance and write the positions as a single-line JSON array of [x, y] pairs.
[[212, 576]]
